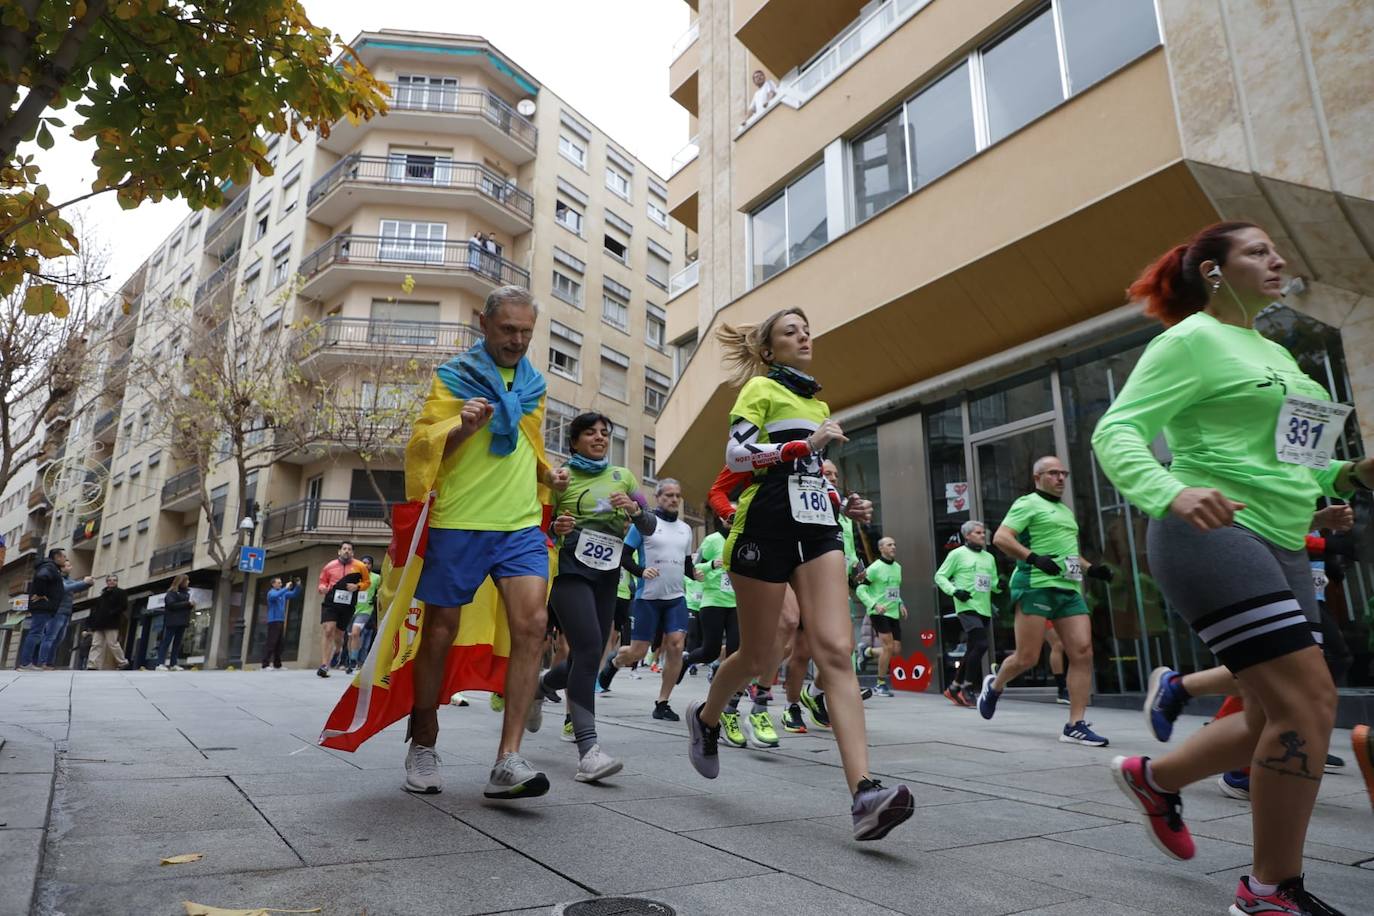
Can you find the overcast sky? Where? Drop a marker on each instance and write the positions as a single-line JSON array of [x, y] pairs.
[[607, 58]]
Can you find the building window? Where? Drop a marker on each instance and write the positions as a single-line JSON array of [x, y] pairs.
[[615, 311], [573, 150], [768, 235], [262, 217], [252, 282], [655, 327], [880, 172], [143, 524], [219, 497], [940, 127], [656, 270], [124, 532], [420, 168], [619, 448], [427, 93], [1021, 76], [568, 217], [618, 182], [650, 470], [281, 262], [1099, 37], [658, 214], [557, 417], [565, 351], [615, 372], [408, 240], [656, 386], [617, 249], [567, 289], [290, 191]]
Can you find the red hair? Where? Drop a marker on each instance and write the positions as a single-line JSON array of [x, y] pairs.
[[1173, 288]]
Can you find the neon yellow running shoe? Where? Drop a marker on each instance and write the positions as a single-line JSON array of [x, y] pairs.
[[761, 731], [729, 729], [568, 731], [498, 703]]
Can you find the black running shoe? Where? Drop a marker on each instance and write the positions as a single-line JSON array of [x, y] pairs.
[[607, 673], [665, 712], [792, 720], [682, 672]]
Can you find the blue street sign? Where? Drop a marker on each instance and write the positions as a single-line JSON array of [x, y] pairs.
[[251, 559]]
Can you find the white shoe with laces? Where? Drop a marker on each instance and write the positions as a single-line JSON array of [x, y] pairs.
[[422, 770], [596, 765]]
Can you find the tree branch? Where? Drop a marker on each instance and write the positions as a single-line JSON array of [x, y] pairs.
[[14, 47]]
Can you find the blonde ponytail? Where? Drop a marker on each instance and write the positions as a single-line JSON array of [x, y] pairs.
[[742, 345]]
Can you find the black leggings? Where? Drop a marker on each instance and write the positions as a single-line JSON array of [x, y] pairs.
[[585, 609], [715, 623], [975, 646]]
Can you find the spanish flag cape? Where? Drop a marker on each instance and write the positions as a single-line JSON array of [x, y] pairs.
[[383, 691]]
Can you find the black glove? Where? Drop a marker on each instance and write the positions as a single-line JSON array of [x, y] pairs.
[[1045, 564], [962, 594], [1100, 571]]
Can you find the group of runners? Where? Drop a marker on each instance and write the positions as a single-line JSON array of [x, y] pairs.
[[1228, 520]]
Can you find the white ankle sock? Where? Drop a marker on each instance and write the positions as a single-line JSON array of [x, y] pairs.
[[1259, 888]]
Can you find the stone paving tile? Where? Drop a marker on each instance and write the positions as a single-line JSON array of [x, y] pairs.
[[19, 854], [1348, 889], [79, 859], [114, 807], [1131, 840], [784, 893], [25, 800], [24, 752]]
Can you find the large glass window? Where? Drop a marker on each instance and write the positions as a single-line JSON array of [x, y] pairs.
[[1021, 76], [940, 127], [880, 173], [1100, 37], [806, 225], [769, 225], [1009, 401]]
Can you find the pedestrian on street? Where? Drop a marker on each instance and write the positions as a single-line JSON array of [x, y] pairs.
[[106, 620], [45, 597], [57, 626], [176, 617], [277, 597]]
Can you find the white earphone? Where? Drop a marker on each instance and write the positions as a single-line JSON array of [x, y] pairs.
[[1214, 273]]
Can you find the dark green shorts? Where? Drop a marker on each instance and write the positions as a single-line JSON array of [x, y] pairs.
[[1050, 603]]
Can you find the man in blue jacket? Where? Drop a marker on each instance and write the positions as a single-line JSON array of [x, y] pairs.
[[277, 596]]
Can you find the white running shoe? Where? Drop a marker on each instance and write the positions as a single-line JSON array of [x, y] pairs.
[[534, 719], [596, 765], [163, 667], [422, 770], [513, 777]]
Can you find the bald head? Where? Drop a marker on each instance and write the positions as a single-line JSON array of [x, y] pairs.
[[1050, 475]]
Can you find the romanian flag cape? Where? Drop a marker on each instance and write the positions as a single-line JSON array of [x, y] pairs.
[[383, 690]]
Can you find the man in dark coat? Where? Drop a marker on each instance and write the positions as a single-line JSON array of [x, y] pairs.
[[106, 620]]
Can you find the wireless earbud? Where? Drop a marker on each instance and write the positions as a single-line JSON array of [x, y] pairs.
[[1214, 273]]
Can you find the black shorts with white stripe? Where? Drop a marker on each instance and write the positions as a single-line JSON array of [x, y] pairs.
[[1249, 600]]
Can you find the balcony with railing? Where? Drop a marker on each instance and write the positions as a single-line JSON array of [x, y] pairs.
[[684, 182], [216, 289], [105, 426], [117, 372], [84, 534], [127, 322], [173, 556], [783, 34], [339, 340], [684, 279], [30, 541], [38, 499], [341, 432], [181, 491], [685, 67], [327, 519], [225, 220], [414, 180], [347, 259], [429, 108]]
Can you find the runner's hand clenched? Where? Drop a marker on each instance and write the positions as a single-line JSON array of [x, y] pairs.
[[558, 479], [829, 431], [475, 414], [562, 525], [858, 508], [1204, 508], [622, 501]]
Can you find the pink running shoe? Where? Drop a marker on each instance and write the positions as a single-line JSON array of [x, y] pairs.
[[1290, 898], [1163, 811]]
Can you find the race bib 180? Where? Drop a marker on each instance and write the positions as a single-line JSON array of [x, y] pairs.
[[1307, 430], [809, 501]]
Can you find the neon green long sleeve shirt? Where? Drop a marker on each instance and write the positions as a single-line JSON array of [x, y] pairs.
[[1217, 392], [717, 590], [973, 571], [882, 593]]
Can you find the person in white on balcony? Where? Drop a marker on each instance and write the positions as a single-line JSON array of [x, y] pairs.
[[765, 93]]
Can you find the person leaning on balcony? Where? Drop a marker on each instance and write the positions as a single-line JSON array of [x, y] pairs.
[[176, 617], [765, 92], [107, 617]]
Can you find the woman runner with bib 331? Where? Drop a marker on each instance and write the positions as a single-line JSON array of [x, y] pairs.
[[1250, 434], [786, 531]]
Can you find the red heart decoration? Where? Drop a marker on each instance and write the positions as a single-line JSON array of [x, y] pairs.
[[959, 504], [960, 488], [912, 673], [927, 638]]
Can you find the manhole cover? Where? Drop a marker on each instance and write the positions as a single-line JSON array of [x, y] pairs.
[[615, 906]]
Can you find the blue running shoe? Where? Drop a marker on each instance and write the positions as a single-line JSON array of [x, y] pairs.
[[987, 699], [1164, 702], [1079, 733], [1235, 784]]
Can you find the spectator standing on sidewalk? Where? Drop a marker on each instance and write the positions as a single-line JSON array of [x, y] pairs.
[[106, 620], [277, 596], [57, 626], [45, 597], [176, 617]]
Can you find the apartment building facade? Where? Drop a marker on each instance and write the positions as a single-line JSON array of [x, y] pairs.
[[957, 195], [371, 236]]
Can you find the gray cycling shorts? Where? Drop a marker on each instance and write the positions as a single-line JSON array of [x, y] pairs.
[[1247, 599]]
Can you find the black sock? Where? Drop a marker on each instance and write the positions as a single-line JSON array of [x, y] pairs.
[[1059, 682]]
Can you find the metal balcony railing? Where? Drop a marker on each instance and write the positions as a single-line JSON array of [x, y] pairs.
[[376, 334], [226, 217], [414, 171], [166, 559], [178, 485], [686, 40], [104, 422], [216, 281], [403, 253], [684, 279], [30, 540], [684, 156], [327, 518], [456, 100]]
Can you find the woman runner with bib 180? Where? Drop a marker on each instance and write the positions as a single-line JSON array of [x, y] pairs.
[[590, 518], [1250, 434], [786, 531]]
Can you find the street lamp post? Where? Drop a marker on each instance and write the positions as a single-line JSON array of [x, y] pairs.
[[249, 527]]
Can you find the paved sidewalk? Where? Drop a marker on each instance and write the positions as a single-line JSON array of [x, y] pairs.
[[104, 774]]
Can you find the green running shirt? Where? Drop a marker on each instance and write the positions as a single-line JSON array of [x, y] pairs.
[[692, 590], [1216, 392], [716, 588], [1047, 527], [974, 571], [882, 593]]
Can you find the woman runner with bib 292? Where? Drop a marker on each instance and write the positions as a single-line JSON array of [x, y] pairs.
[[786, 531], [1250, 434]]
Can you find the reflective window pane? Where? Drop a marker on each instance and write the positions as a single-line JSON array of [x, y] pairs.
[[806, 226], [1010, 401], [879, 168], [940, 127], [1100, 37], [770, 240], [1021, 73]]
